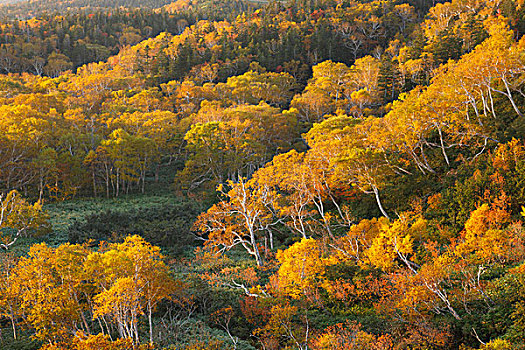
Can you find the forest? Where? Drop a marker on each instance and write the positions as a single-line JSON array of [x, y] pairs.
[[216, 174]]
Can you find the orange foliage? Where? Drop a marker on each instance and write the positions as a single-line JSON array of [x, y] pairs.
[[350, 336]]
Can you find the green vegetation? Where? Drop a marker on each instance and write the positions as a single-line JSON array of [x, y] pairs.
[[221, 175]]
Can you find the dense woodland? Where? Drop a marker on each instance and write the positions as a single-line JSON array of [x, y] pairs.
[[23, 9], [318, 175]]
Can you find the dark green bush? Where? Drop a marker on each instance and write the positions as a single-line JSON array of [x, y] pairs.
[[23, 341], [166, 226]]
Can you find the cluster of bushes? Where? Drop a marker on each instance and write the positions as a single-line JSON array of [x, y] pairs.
[[168, 225]]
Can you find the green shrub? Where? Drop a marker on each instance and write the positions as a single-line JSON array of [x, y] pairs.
[[168, 225]]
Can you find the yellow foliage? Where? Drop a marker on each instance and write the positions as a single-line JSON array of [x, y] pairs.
[[498, 344], [350, 337], [484, 238], [395, 240], [302, 269]]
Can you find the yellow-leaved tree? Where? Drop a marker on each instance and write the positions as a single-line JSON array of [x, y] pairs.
[[244, 217], [49, 284], [132, 279], [302, 269], [18, 218]]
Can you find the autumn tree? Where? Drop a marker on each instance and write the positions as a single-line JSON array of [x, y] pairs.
[[9, 302], [49, 283], [307, 193], [342, 142], [18, 218], [302, 269], [245, 217], [350, 336], [236, 141], [132, 279]]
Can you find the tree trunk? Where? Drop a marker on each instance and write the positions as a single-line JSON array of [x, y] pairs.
[[256, 252], [157, 170], [13, 324], [94, 183], [443, 146], [150, 323], [509, 96], [378, 200]]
